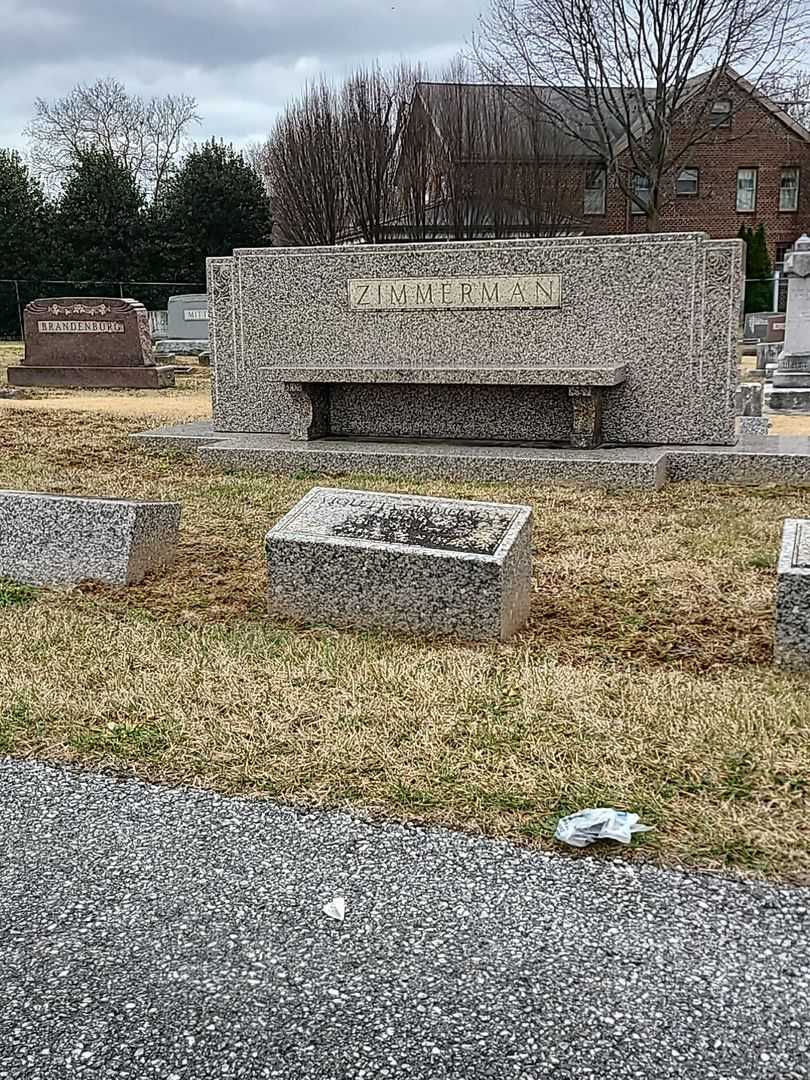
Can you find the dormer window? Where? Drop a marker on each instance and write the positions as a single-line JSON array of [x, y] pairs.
[[720, 114]]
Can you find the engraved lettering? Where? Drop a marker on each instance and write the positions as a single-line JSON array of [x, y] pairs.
[[544, 291], [486, 291]]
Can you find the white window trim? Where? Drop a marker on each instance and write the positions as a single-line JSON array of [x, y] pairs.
[[688, 194], [634, 207], [797, 173], [602, 189], [755, 173]]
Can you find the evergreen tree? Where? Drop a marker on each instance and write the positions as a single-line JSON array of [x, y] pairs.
[[758, 273], [100, 223], [22, 218], [214, 203], [24, 239]]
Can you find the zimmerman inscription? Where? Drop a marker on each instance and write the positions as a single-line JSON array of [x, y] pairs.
[[434, 294], [78, 326]]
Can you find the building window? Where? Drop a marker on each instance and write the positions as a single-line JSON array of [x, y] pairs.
[[746, 190], [789, 189], [720, 114], [687, 182], [782, 249], [641, 193], [595, 187]]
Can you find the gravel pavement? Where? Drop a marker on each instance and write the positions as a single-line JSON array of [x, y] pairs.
[[149, 932]]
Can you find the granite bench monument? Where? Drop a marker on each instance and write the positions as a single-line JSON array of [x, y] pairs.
[[402, 562], [88, 342], [63, 539], [603, 360]]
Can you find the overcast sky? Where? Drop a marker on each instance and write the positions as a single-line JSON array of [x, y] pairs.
[[240, 58]]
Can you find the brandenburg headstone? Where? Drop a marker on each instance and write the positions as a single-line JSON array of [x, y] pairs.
[[88, 342]]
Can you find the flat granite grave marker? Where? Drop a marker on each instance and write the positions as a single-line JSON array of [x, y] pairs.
[[402, 562], [88, 342], [792, 634], [64, 539]]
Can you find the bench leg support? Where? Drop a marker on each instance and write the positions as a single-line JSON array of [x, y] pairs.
[[310, 410], [587, 405]]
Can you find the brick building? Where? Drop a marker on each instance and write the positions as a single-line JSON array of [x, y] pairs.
[[751, 167]]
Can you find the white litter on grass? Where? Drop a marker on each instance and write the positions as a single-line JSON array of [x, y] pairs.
[[598, 823], [335, 909]]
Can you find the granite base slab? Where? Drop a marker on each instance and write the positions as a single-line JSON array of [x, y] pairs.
[[756, 458], [793, 400], [120, 378], [181, 346]]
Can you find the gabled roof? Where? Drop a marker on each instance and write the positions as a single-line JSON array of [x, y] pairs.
[[510, 106]]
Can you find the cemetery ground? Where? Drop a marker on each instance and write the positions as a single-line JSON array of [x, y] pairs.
[[642, 680]]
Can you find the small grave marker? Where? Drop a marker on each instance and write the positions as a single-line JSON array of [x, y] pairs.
[[402, 562]]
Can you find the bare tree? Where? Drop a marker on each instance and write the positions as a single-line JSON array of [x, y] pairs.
[[793, 95], [634, 82], [305, 170], [146, 135], [374, 111]]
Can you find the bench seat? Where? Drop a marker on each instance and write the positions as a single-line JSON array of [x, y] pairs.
[[309, 389], [592, 375]]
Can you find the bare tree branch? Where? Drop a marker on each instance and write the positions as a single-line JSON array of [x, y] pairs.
[[632, 82], [147, 136]]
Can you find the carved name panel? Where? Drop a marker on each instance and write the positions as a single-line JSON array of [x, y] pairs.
[[420, 294], [75, 326], [443, 525]]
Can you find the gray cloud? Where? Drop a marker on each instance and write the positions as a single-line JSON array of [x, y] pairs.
[[240, 58]]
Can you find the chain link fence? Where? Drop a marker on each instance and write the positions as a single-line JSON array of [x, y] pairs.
[[15, 293]]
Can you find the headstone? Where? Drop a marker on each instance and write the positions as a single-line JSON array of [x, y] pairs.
[[767, 353], [748, 399], [764, 326], [88, 342], [791, 379], [188, 317], [792, 634], [402, 562], [486, 341], [187, 328], [63, 539]]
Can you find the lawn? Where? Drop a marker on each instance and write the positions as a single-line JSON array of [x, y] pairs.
[[643, 679]]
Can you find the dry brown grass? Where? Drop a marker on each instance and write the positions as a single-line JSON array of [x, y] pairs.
[[642, 680]]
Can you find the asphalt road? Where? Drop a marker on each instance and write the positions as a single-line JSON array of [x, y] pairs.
[[151, 932]]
